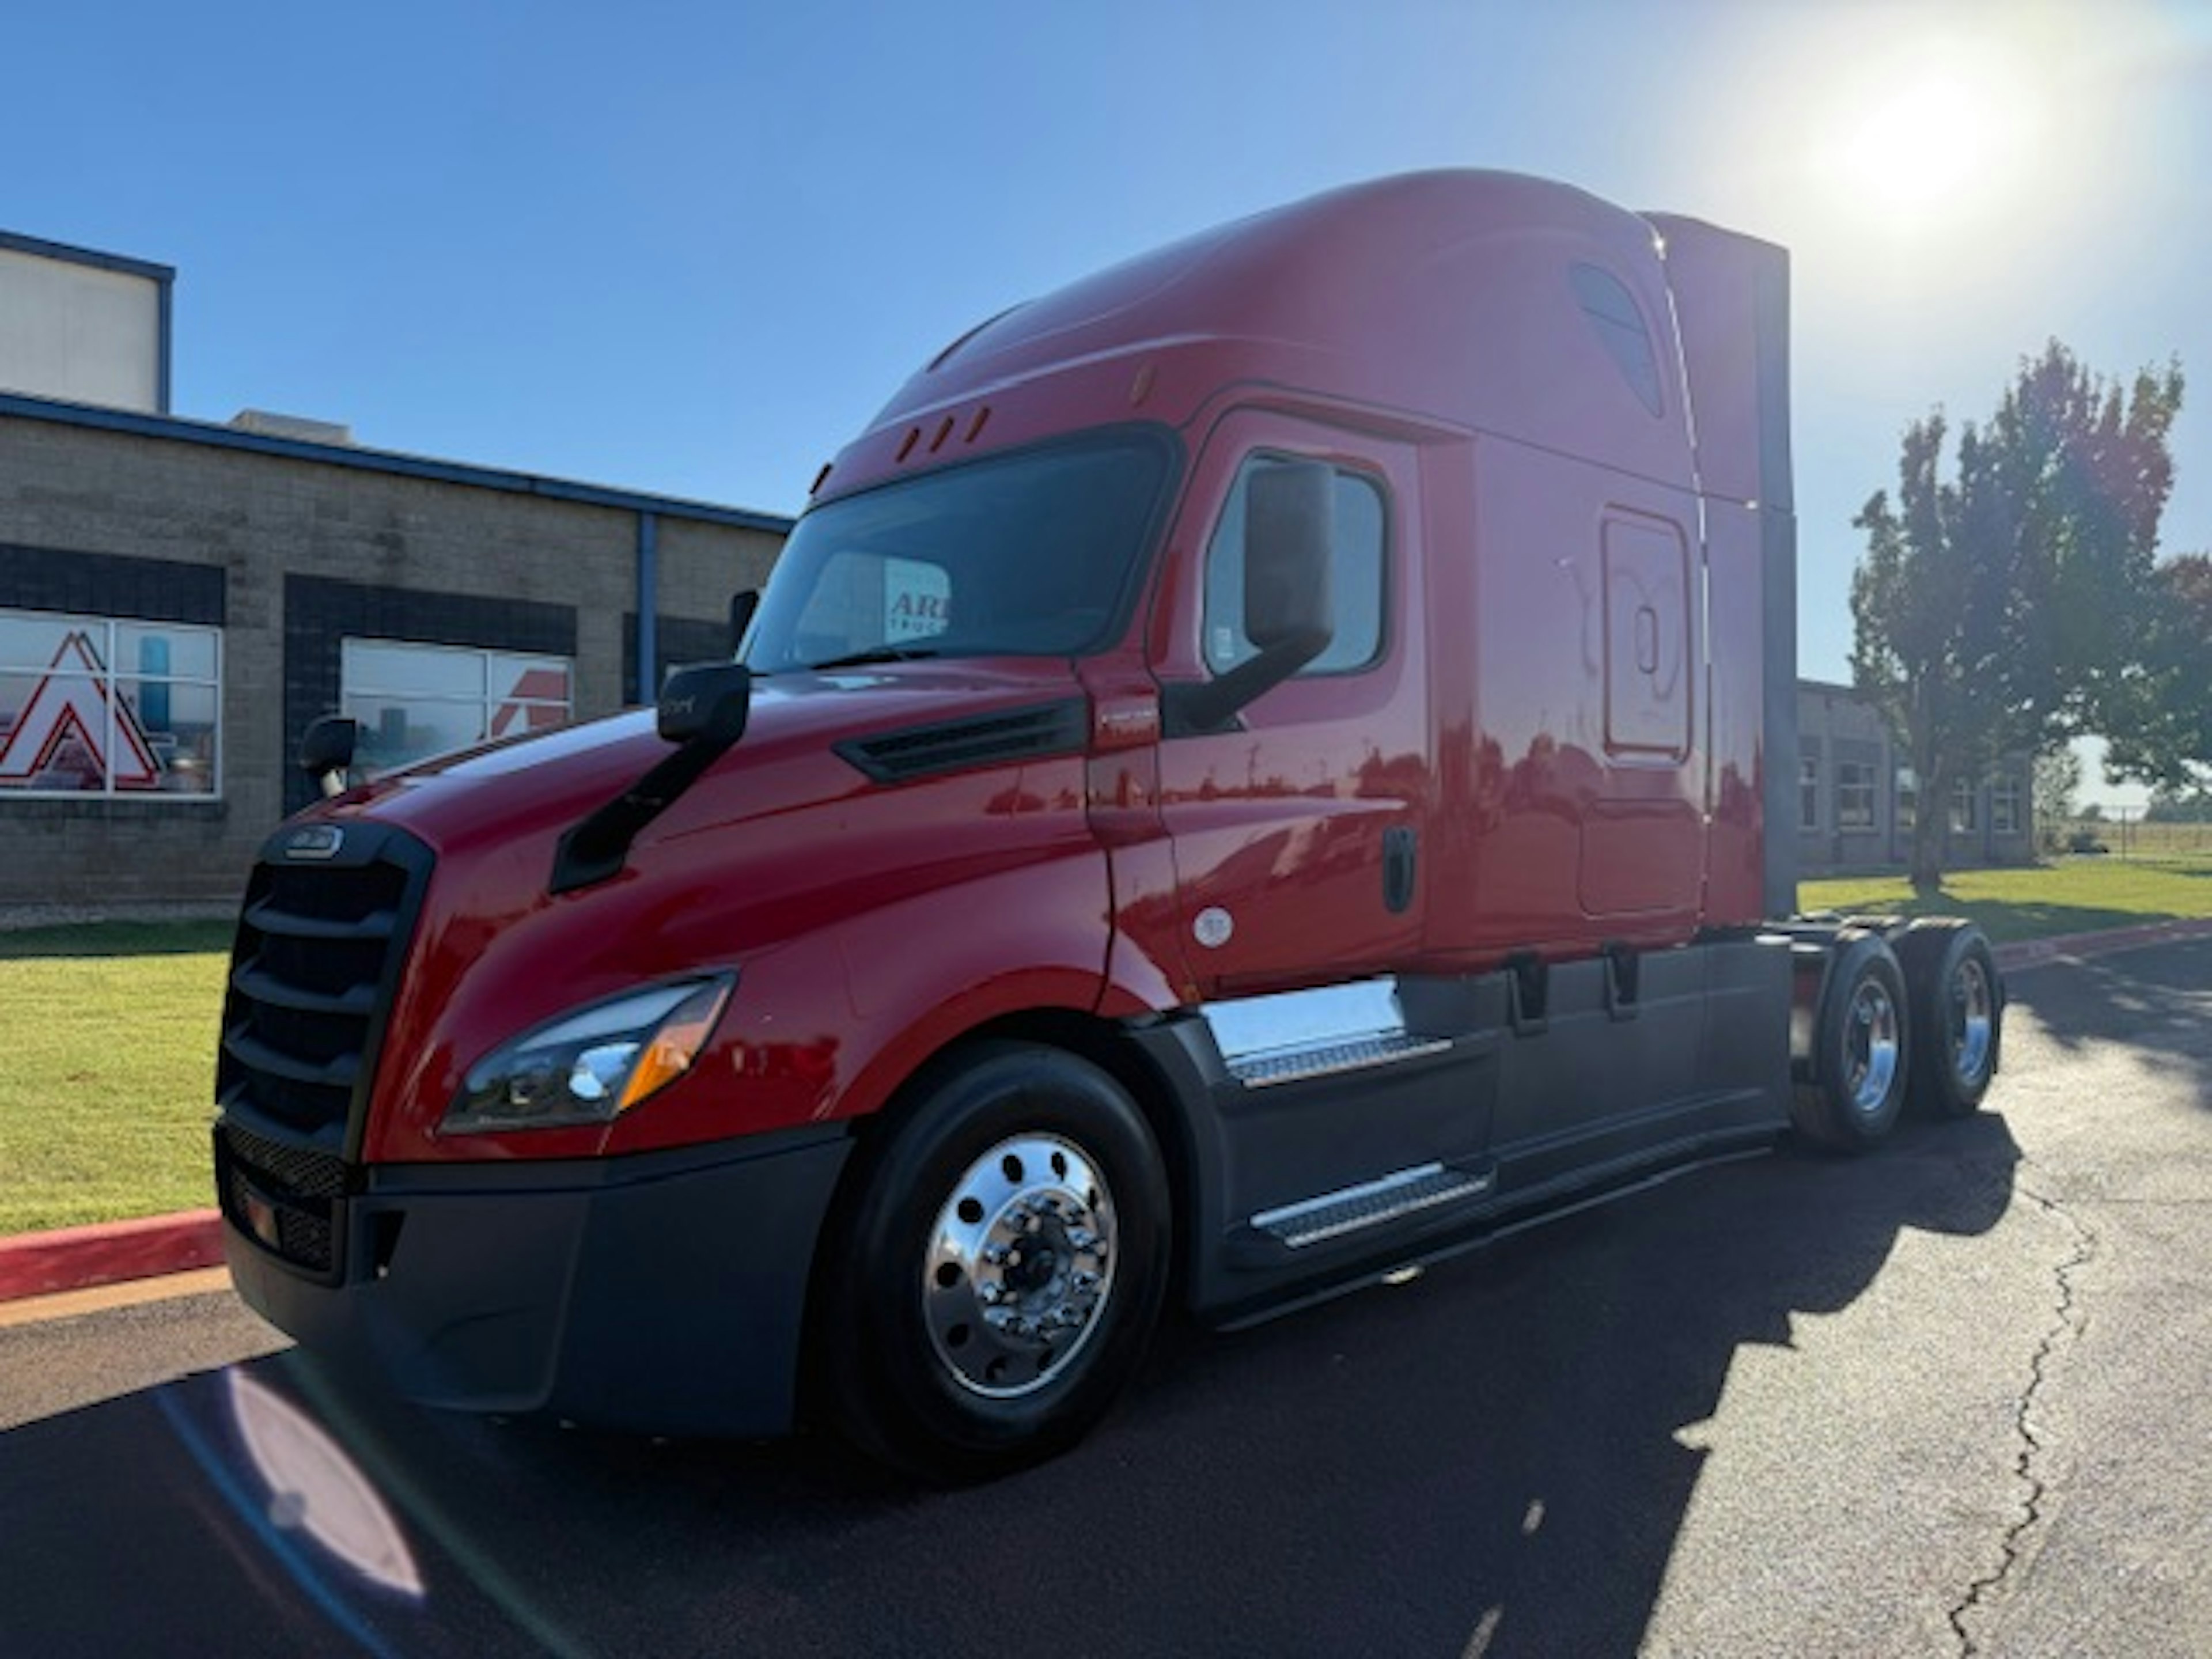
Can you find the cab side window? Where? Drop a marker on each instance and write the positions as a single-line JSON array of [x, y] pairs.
[[1356, 573]]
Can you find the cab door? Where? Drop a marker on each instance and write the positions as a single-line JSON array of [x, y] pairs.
[[1297, 826]]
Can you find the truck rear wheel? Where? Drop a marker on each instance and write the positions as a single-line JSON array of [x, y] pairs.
[[1958, 1010], [1860, 1051], [1001, 1268]]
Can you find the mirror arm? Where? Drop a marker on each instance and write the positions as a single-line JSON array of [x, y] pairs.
[[593, 848], [1189, 708], [703, 710]]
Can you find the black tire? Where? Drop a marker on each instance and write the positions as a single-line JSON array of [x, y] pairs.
[[1861, 1049], [999, 1266], [1957, 1000]]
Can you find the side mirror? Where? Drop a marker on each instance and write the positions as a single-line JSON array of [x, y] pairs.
[[1290, 607], [326, 752], [742, 607], [708, 701], [1290, 524]]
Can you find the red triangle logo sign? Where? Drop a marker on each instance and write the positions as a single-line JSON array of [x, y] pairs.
[[71, 704]]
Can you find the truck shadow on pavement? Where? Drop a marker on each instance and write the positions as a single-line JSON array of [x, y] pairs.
[[1486, 1461]]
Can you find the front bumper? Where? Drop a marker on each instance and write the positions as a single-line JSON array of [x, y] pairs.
[[661, 1293]]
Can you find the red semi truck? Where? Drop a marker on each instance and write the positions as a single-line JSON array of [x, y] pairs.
[[1268, 767]]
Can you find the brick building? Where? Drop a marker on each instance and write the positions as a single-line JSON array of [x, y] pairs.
[[179, 599], [1857, 797]]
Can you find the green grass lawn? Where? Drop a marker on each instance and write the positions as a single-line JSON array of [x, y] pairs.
[[104, 1100], [110, 1030], [2072, 896]]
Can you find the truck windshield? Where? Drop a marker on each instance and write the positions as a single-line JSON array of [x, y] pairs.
[[1029, 553]]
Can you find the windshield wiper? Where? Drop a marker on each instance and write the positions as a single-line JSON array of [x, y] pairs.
[[876, 654]]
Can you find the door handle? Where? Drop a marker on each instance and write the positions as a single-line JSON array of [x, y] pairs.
[[1398, 853]]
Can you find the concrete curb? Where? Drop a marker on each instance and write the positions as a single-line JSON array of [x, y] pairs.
[[2027, 953], [79, 1258]]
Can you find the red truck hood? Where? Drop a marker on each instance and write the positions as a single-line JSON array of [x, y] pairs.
[[782, 839], [512, 791]]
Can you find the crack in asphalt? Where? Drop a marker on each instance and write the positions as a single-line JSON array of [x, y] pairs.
[[2067, 1325]]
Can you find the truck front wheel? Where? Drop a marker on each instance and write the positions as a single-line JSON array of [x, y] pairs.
[[1000, 1269]]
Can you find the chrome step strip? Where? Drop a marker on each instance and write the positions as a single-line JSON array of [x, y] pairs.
[[1370, 1204], [1297, 1035], [1296, 1064]]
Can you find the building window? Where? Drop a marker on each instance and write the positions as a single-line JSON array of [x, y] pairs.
[[1854, 795], [1355, 578], [99, 705], [2004, 806], [1808, 795], [416, 700], [1908, 800], [1964, 818]]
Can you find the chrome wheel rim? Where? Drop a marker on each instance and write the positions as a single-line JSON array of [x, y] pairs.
[[1020, 1265], [1973, 1022], [1870, 1047]]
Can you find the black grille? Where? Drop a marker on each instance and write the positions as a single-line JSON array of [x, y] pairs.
[[1051, 728], [297, 1171], [320, 946], [316, 945], [287, 1197]]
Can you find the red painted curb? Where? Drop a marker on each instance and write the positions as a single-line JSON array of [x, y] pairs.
[[77, 1258]]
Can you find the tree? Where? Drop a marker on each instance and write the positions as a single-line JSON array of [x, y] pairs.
[[2163, 734], [2056, 780], [1998, 611]]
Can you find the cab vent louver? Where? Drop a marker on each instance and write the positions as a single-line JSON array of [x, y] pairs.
[[1018, 734]]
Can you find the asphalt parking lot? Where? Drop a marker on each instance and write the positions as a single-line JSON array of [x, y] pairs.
[[1951, 1399]]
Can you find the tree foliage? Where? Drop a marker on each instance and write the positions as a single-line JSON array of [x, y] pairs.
[[1997, 610], [2162, 733], [2055, 782]]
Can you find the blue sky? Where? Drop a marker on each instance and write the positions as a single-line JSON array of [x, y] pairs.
[[691, 247]]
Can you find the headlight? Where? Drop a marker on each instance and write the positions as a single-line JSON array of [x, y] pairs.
[[592, 1066]]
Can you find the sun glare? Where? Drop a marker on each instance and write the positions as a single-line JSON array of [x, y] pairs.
[[1938, 140]]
